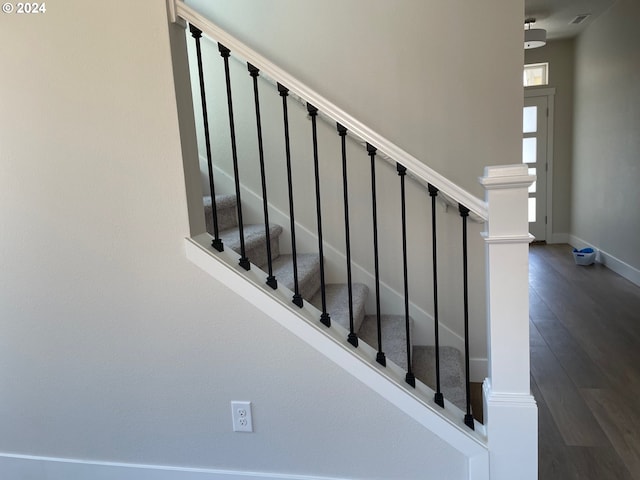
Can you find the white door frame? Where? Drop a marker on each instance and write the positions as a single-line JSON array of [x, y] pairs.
[[548, 172]]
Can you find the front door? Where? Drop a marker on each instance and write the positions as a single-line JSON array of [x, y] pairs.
[[534, 154]]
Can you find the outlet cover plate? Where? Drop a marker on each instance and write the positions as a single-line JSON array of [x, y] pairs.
[[241, 416]]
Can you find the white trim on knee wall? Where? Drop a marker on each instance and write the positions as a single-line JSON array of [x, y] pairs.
[[15, 466]]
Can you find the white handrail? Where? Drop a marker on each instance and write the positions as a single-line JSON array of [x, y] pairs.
[[179, 10]]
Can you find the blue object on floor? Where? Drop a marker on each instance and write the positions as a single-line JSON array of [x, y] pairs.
[[586, 256]]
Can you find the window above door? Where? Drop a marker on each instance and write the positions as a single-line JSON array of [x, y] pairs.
[[536, 74]]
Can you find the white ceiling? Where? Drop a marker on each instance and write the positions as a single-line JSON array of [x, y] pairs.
[[555, 15]]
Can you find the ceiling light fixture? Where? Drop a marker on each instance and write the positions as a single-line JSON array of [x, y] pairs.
[[534, 37]]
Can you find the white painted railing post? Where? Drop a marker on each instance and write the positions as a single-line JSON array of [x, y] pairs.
[[511, 414]]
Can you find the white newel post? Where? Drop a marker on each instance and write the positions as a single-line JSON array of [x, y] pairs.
[[511, 414]]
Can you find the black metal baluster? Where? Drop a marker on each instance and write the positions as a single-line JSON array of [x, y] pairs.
[[224, 53], [371, 150], [342, 131], [402, 172], [216, 243], [464, 213], [433, 193], [271, 280], [325, 319], [284, 93]]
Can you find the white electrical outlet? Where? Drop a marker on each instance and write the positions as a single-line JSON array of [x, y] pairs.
[[241, 416]]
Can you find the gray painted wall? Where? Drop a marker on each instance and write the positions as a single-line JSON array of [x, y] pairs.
[[606, 168]]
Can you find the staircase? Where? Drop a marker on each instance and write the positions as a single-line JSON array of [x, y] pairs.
[[393, 326], [431, 392]]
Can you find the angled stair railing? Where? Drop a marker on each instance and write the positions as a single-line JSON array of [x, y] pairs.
[[510, 182], [424, 175], [271, 280]]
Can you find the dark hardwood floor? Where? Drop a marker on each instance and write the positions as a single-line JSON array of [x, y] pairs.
[[585, 367]]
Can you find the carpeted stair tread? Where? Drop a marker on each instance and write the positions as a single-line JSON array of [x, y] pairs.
[[451, 372], [254, 242], [394, 342], [227, 212], [337, 296], [308, 273]]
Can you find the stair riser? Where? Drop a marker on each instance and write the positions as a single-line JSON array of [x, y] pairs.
[[394, 346], [308, 288], [258, 254], [358, 317], [308, 274], [255, 246], [338, 303], [227, 218]]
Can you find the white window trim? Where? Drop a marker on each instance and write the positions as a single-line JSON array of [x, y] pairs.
[[546, 70]]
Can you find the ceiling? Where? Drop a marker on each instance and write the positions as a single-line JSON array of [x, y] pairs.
[[555, 16]]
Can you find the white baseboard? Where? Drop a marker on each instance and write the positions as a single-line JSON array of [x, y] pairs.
[[15, 466], [621, 268]]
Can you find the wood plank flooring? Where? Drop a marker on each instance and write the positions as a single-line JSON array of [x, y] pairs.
[[585, 367]]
